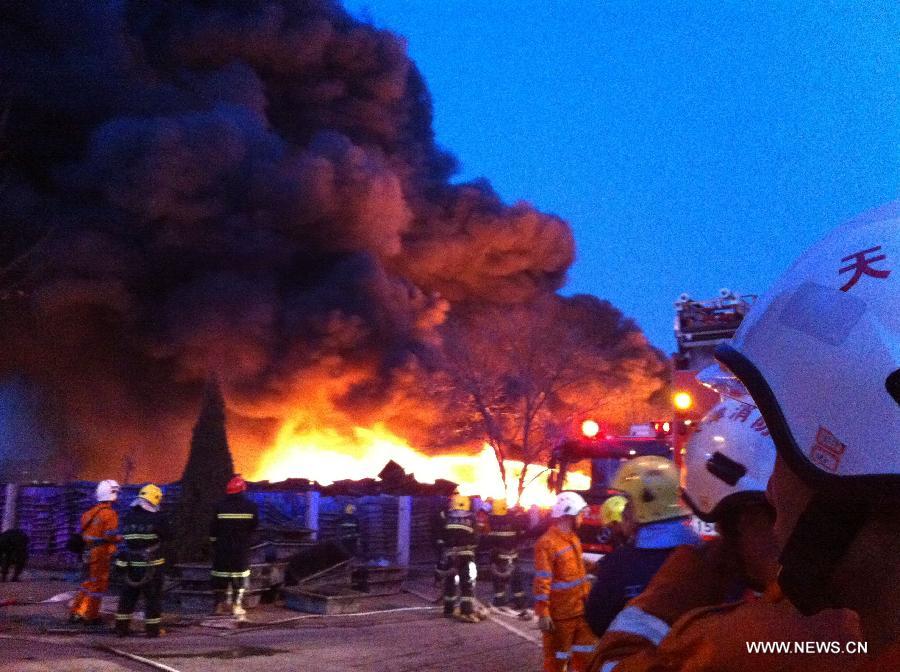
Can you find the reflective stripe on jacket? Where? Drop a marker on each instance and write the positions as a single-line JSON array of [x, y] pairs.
[[458, 529], [145, 532], [560, 582], [231, 531], [716, 639]]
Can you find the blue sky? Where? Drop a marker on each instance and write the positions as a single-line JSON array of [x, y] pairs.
[[691, 145]]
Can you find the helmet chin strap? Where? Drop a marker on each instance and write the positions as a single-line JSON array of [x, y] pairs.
[[821, 538]]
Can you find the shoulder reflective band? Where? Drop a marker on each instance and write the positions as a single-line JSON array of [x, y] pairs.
[[636, 621], [234, 516], [502, 533], [457, 526], [151, 537]]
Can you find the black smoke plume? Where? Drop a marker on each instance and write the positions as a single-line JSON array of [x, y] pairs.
[[250, 190]]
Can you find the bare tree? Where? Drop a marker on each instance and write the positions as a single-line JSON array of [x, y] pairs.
[[521, 376]]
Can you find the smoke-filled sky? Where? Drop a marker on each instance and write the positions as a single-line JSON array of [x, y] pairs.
[[692, 146], [246, 190]]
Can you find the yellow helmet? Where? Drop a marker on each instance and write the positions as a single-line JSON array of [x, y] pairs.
[[612, 509], [151, 493], [499, 507], [651, 484], [460, 503]]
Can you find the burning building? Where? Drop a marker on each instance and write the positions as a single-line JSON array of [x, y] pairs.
[[250, 190]]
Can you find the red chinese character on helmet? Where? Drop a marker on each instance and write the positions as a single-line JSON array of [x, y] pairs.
[[862, 266], [742, 412]]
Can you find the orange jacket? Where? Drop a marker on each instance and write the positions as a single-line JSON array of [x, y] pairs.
[[560, 583], [100, 527], [716, 639]]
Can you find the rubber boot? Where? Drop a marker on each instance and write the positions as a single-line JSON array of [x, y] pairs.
[[238, 610]]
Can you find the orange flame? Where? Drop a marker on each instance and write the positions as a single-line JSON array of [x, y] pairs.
[[327, 455]]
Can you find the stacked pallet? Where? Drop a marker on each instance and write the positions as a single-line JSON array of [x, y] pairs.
[[43, 514], [280, 510], [424, 524]]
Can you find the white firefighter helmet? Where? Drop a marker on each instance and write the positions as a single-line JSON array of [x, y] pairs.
[[728, 460], [568, 504], [108, 490], [820, 354], [652, 485]]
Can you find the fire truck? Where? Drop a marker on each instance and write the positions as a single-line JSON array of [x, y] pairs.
[[699, 327], [599, 454]]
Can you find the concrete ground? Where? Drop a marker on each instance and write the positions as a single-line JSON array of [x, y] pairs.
[[400, 633]]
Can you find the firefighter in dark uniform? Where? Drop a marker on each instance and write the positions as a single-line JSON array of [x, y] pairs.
[[348, 531], [231, 533], [507, 529], [145, 530], [349, 538], [458, 559]]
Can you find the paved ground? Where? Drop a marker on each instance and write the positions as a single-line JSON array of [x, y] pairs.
[[406, 633]]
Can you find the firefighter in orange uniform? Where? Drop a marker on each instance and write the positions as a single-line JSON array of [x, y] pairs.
[[100, 531], [707, 603], [819, 354], [560, 589]]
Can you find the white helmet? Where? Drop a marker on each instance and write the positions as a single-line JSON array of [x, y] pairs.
[[108, 491], [728, 460], [568, 504], [820, 354]]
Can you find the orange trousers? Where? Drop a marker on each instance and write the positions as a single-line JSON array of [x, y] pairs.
[[569, 647], [87, 601]]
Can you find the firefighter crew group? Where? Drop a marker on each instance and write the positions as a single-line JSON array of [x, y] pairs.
[[461, 532], [142, 560], [798, 466]]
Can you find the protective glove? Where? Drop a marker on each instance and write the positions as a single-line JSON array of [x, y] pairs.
[[545, 623], [692, 577]]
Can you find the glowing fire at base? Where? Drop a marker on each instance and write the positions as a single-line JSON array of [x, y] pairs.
[[327, 455]]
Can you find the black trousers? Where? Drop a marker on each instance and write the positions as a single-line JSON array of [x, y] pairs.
[[460, 572], [151, 591], [507, 576]]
